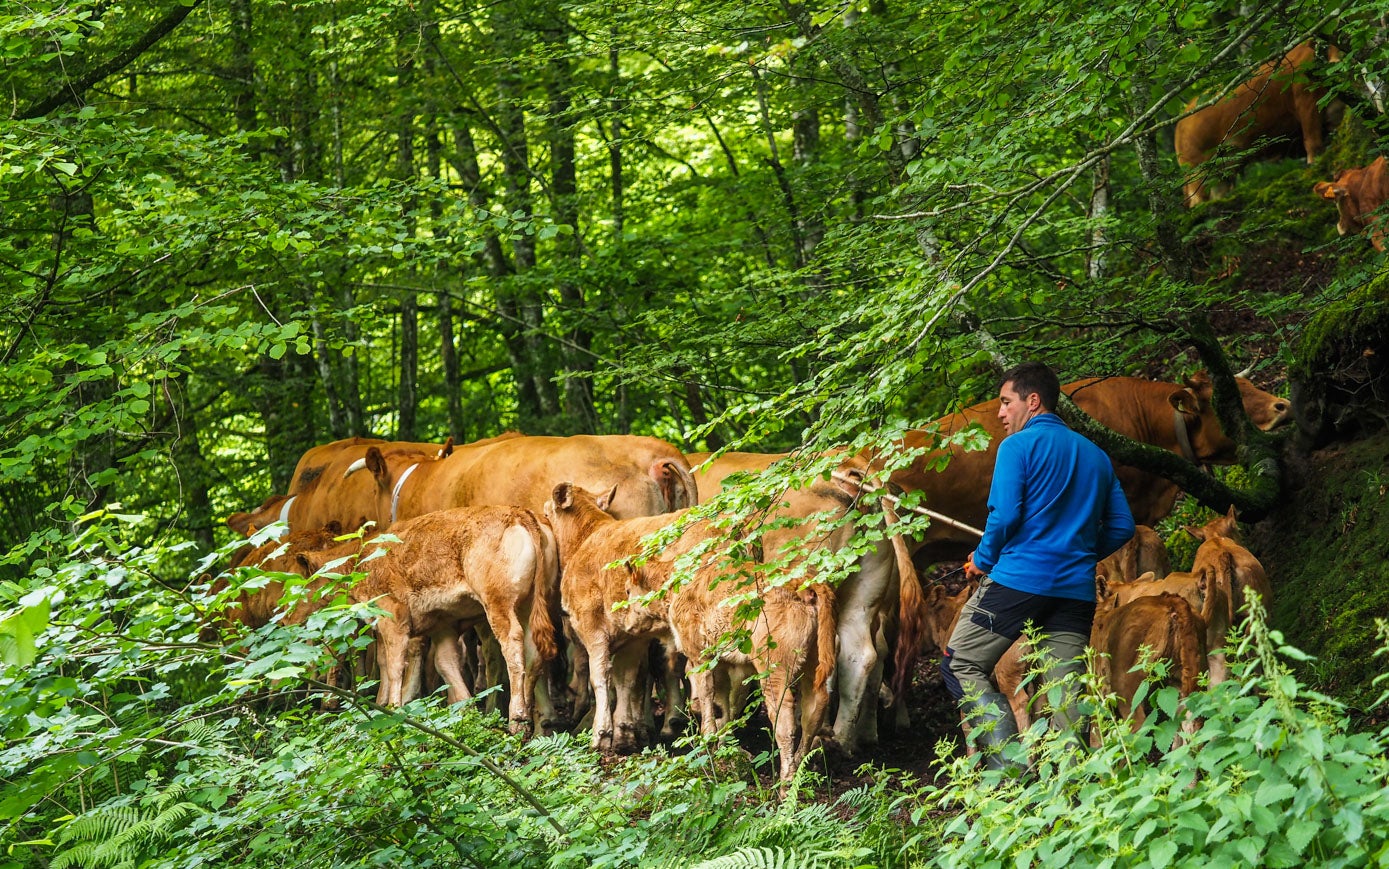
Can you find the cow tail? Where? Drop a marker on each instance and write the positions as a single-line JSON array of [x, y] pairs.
[[910, 618], [826, 635], [1228, 576], [676, 482], [1184, 638], [544, 602]]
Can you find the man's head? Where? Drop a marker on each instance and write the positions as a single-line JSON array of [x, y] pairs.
[[1026, 391]]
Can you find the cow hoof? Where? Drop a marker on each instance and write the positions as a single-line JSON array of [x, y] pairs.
[[603, 741]]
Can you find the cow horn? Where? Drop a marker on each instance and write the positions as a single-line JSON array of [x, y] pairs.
[[1246, 372], [355, 466]]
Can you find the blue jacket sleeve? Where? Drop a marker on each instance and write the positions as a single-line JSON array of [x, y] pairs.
[[1006, 495], [1118, 525]]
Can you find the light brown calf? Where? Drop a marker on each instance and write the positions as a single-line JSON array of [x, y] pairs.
[[616, 640], [882, 588], [1158, 627], [941, 612], [450, 571], [1220, 526], [1359, 194], [1191, 587], [1145, 553], [792, 633]]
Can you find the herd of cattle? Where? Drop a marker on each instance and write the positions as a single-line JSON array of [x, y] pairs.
[[537, 543], [1277, 104]]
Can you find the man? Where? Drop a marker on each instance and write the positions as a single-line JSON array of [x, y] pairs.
[[1055, 509]]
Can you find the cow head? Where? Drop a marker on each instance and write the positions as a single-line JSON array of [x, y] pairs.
[[1358, 193], [1221, 526], [573, 512], [269, 511], [1208, 440], [1266, 410]]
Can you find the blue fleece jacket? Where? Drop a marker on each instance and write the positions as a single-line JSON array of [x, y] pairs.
[[1055, 509]]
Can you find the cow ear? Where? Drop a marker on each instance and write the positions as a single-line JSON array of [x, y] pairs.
[[607, 498], [1186, 401], [376, 463], [447, 449], [240, 523], [304, 563], [563, 496], [1324, 189], [1101, 588], [1195, 531], [1231, 514]]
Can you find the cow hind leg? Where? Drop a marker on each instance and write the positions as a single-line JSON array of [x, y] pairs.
[[600, 670], [632, 683], [391, 640], [448, 660], [509, 627]]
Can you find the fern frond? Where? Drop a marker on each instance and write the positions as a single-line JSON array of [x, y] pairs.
[[762, 858], [116, 836]]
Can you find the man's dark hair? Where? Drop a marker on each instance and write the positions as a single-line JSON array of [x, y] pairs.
[[1034, 378]]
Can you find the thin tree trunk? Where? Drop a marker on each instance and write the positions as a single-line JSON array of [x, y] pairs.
[[616, 106], [564, 190], [407, 398], [520, 301], [190, 464], [1099, 216]]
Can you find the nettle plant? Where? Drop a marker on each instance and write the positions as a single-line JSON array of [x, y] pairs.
[[129, 741], [1272, 776]]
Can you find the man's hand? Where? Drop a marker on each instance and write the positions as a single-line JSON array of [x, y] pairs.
[[972, 572]]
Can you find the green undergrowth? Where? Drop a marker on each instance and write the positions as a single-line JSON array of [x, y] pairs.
[[1340, 332], [128, 742], [1327, 554]]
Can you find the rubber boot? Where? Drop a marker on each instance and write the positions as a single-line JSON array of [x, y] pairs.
[[991, 718]]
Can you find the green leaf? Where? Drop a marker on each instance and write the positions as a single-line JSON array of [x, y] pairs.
[[1161, 853]]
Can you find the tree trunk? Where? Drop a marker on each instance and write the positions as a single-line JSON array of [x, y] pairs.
[[1258, 450], [189, 463], [520, 303], [407, 397], [564, 190], [1099, 215]]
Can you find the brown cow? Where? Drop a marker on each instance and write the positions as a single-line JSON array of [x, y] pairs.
[[337, 455], [1145, 553], [1278, 102], [256, 607], [617, 640], [1161, 414], [1358, 194], [273, 509], [1154, 628], [334, 493], [882, 587], [450, 571], [792, 637], [1220, 526], [651, 476]]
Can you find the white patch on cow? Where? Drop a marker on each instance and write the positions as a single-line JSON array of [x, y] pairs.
[[519, 555]]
